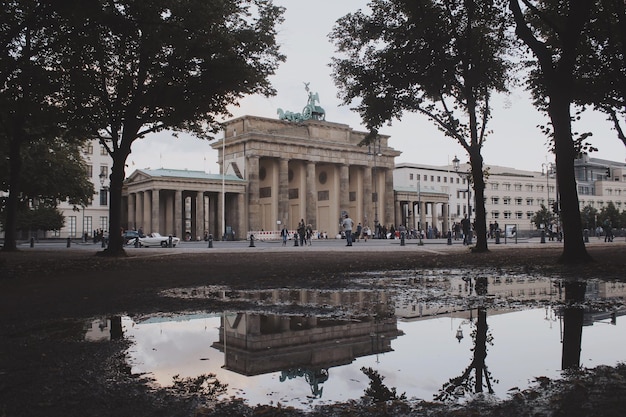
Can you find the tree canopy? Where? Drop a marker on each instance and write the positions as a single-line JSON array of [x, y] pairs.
[[142, 66], [441, 58]]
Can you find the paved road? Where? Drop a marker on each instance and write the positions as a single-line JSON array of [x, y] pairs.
[[378, 245]]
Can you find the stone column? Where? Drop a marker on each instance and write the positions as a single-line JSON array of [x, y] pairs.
[[311, 195], [444, 212], [132, 222], [344, 187], [283, 190], [388, 196], [241, 213], [199, 219], [422, 214], [254, 210], [398, 213], [434, 215], [178, 213], [368, 210], [147, 212], [220, 229], [156, 224], [139, 211]]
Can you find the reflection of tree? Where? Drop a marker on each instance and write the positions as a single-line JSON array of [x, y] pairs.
[[313, 377], [378, 391], [481, 379], [573, 315]]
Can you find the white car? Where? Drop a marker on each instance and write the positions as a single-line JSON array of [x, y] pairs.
[[156, 239]]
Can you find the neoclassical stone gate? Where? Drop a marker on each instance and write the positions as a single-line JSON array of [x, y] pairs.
[[312, 170]]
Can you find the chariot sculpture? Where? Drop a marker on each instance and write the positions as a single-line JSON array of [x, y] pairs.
[[310, 112]]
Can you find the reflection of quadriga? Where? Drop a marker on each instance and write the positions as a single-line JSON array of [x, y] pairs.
[[310, 112]]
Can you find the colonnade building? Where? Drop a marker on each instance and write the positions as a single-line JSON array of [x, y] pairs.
[[273, 173]]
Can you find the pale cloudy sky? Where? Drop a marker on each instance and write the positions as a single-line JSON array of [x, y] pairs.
[[515, 142]]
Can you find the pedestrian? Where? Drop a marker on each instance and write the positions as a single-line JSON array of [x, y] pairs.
[[301, 232], [284, 234], [347, 227], [466, 226], [359, 230]]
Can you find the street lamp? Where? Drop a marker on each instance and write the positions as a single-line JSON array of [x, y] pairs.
[[547, 169], [456, 165], [375, 154]]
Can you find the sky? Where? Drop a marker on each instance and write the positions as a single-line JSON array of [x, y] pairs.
[[515, 141]]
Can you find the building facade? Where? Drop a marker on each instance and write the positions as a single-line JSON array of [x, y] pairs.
[[95, 216], [512, 197], [313, 170]]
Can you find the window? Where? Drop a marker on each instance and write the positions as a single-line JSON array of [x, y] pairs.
[[72, 225], [540, 188], [432, 178], [265, 192], [103, 151], [352, 195], [411, 177], [104, 171], [529, 201], [529, 188], [89, 149], [507, 214], [519, 215], [494, 186], [507, 187], [90, 170], [495, 200], [104, 197], [294, 193], [438, 178], [104, 223], [518, 201], [529, 215], [518, 187], [324, 196], [495, 214], [506, 200]]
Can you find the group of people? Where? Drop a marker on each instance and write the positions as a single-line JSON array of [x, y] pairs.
[[303, 234]]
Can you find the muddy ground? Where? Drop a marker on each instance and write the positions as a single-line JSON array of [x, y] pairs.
[[46, 297]]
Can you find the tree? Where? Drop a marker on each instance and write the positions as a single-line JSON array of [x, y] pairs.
[[440, 58], [143, 66], [610, 213], [552, 31], [588, 216], [32, 106], [542, 218], [601, 65]]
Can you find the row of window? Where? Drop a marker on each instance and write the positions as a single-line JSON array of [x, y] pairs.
[[88, 150], [438, 177]]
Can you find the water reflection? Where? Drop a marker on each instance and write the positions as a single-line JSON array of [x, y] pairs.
[[408, 329]]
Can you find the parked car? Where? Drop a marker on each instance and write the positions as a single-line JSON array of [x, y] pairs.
[[130, 236], [156, 239]]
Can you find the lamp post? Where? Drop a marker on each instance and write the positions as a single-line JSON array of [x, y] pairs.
[[419, 209], [547, 169], [104, 189], [457, 166], [375, 154]]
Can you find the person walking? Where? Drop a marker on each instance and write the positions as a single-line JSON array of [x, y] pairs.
[[284, 234], [347, 228]]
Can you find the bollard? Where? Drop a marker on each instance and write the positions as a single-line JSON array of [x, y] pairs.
[[449, 237], [402, 242], [169, 241], [251, 241], [69, 242], [210, 241], [498, 237], [104, 243], [543, 236], [137, 242], [32, 242], [295, 239]]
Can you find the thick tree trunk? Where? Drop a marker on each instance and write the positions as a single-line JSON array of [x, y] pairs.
[[116, 242], [574, 250], [480, 220]]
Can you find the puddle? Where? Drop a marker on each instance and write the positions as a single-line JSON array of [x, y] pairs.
[[429, 337]]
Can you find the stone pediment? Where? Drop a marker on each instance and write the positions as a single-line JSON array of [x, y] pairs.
[[138, 176]]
